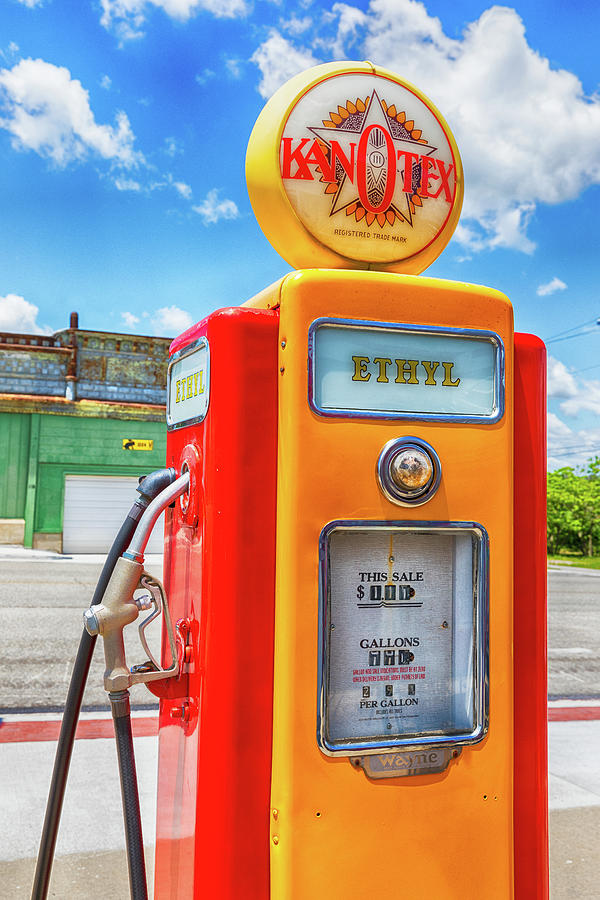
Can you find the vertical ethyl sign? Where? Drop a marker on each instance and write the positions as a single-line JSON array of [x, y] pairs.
[[188, 385]]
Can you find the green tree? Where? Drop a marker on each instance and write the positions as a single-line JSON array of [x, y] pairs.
[[574, 509]]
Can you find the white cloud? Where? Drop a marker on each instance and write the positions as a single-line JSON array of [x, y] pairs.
[[31, 3], [278, 60], [106, 82], [570, 448], [212, 209], [10, 53], [559, 438], [576, 395], [126, 184], [234, 68], [129, 319], [551, 287], [586, 398], [169, 321], [172, 146], [18, 315], [526, 131], [296, 26], [127, 17], [571, 445], [48, 111], [349, 21], [183, 189], [205, 76], [561, 382], [557, 428], [167, 181]]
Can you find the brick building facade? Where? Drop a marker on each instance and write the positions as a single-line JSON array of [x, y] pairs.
[[74, 405]]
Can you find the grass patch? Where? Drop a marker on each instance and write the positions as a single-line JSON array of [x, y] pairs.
[[580, 562]]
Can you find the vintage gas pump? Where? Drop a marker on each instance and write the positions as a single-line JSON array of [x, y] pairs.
[[360, 709]]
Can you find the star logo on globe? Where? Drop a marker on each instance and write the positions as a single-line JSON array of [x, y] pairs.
[[374, 163]]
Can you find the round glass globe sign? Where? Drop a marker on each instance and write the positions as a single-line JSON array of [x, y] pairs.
[[350, 166]]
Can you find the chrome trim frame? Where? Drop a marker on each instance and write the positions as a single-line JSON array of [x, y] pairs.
[[388, 486], [475, 333], [181, 354], [480, 634]]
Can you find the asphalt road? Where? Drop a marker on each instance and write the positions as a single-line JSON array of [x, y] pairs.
[[41, 604], [574, 633], [41, 607]]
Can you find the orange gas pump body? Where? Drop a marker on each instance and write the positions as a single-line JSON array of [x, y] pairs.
[[248, 805], [337, 832]]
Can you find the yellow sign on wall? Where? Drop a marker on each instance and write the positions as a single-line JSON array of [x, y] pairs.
[[137, 444]]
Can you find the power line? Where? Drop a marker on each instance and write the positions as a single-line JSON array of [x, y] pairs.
[[568, 449], [573, 446], [587, 368], [588, 451], [569, 441], [558, 334], [567, 337]]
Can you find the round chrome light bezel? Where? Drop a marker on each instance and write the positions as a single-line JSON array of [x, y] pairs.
[[390, 488]]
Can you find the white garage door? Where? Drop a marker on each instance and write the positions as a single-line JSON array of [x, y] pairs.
[[95, 508]]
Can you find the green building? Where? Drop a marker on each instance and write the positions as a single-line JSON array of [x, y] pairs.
[[82, 416]]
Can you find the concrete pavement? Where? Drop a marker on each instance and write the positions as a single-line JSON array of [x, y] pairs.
[[90, 856], [574, 801], [91, 862]]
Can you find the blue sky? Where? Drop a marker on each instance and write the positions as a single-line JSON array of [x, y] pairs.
[[123, 130]]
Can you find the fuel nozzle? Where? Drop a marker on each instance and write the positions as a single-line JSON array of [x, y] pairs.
[[119, 607]]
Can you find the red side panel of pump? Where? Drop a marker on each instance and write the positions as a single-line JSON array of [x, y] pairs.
[[216, 725], [530, 610]]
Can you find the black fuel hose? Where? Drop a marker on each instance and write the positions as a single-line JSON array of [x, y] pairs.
[[119, 701], [149, 488]]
